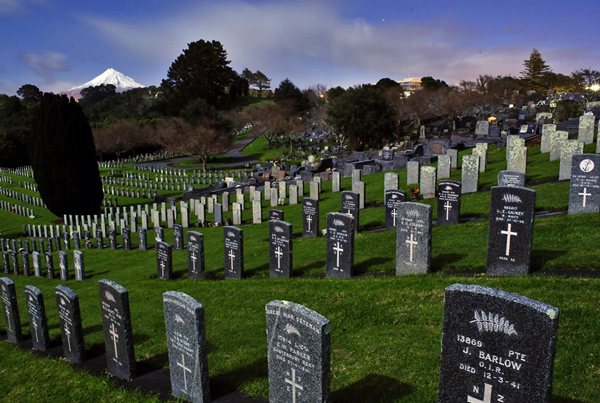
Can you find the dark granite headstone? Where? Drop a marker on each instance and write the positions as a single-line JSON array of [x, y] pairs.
[[393, 199], [63, 264], [14, 259], [87, 236], [177, 237], [413, 238], [69, 322], [496, 347], [310, 217], [126, 232], [195, 247], [511, 230], [49, 265], [112, 238], [448, 205], [280, 249], [118, 336], [298, 343], [186, 344], [76, 240], [37, 263], [25, 261], [79, 265], [10, 310], [511, 178], [6, 261], [164, 260], [387, 155], [340, 245], [233, 241], [159, 234], [38, 323], [275, 214], [57, 243], [494, 131], [584, 194], [142, 238], [351, 205], [67, 239], [99, 239]]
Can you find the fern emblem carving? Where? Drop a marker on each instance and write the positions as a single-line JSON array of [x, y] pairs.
[[493, 323]]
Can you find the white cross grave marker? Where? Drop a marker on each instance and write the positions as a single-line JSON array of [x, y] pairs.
[[231, 256], [394, 215], [447, 207], [338, 250], [194, 258], [279, 254], [308, 220]]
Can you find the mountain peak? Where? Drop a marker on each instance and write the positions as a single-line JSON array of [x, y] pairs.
[[110, 76]]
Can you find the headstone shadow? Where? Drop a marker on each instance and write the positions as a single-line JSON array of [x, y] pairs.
[[363, 267], [539, 257], [256, 270], [381, 387], [226, 383], [301, 271], [438, 262]]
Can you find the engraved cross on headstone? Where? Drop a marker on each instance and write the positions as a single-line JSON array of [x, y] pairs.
[[115, 337], [194, 258], [394, 215], [338, 250], [447, 207], [231, 257], [487, 396], [412, 243], [279, 254], [184, 369], [162, 266], [585, 195], [294, 385], [68, 333], [7, 318], [508, 234], [309, 220]]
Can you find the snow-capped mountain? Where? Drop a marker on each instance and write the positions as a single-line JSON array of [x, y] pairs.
[[110, 76]]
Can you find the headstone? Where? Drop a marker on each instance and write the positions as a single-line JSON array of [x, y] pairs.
[[511, 178], [275, 214], [571, 148], [413, 238], [557, 142], [443, 167], [69, 322], [159, 234], [256, 211], [280, 249], [510, 236], [37, 263], [481, 152], [336, 181], [14, 257], [126, 232], [393, 199], [142, 238], [38, 323], [391, 181], [496, 347], [25, 261], [586, 129], [233, 241], [584, 194], [428, 180], [10, 310], [516, 159], [412, 172], [63, 264], [547, 134], [79, 265], [112, 238], [340, 245], [314, 190], [448, 205], [218, 214], [177, 237], [164, 260], [351, 205], [482, 128], [310, 218], [99, 239], [76, 240], [186, 346], [118, 336], [293, 194], [49, 265], [453, 153], [195, 247], [470, 173], [299, 345]]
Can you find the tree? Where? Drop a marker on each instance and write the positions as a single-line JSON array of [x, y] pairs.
[[287, 91], [201, 71], [534, 69], [585, 78], [387, 83], [363, 116], [30, 93], [92, 95], [430, 83], [62, 154], [15, 123]]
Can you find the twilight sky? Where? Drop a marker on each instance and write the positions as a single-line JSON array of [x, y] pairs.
[[58, 44]]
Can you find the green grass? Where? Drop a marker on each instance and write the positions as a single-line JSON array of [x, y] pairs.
[[386, 330]]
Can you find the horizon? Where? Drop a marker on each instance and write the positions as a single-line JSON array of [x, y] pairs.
[[57, 46]]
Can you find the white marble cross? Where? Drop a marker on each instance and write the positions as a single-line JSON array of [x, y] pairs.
[[447, 207], [279, 254], [338, 250], [394, 214], [412, 243], [308, 220], [585, 195], [194, 258], [231, 257]]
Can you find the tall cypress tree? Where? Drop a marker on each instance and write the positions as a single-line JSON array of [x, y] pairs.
[[63, 157]]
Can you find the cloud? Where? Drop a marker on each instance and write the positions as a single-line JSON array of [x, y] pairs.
[[311, 42], [11, 7], [46, 64]]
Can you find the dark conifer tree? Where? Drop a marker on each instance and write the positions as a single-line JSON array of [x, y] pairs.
[[62, 154]]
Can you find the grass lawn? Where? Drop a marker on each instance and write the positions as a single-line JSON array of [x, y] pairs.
[[385, 330]]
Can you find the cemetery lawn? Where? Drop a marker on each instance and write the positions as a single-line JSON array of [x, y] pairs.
[[385, 330]]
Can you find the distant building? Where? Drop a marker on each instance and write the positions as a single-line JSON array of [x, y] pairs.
[[410, 85]]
